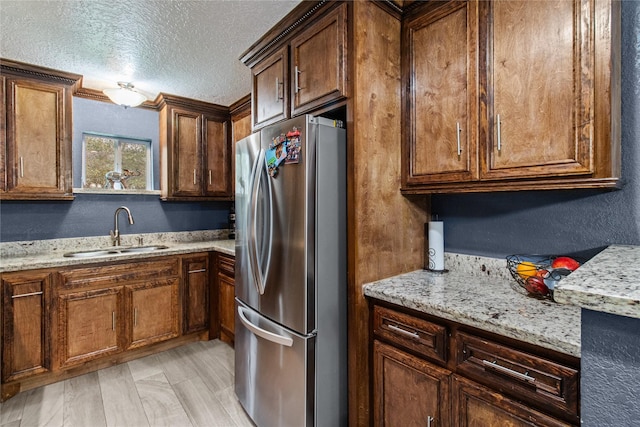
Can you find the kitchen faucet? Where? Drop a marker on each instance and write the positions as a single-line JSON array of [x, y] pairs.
[[115, 233]]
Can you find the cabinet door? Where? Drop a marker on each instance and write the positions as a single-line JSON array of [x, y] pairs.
[[187, 149], [3, 136], [152, 309], [539, 74], [440, 111], [475, 405], [90, 325], [217, 146], [195, 272], [227, 307], [319, 62], [38, 140], [25, 333], [408, 391], [270, 100]]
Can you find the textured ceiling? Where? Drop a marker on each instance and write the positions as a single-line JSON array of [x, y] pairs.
[[185, 48]]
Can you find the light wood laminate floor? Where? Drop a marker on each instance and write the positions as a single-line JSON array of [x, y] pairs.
[[187, 386]]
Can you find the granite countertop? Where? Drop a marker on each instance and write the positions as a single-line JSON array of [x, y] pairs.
[[609, 282], [30, 255], [479, 292]]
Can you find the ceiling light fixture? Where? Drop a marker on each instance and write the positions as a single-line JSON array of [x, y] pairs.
[[125, 95]]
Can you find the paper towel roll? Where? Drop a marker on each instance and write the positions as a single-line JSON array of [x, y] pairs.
[[436, 245]]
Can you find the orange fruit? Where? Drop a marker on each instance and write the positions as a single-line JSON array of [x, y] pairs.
[[526, 269]]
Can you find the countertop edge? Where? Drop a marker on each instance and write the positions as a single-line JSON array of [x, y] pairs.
[[58, 260], [607, 283]]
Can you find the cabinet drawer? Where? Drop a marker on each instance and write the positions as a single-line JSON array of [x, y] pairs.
[[534, 380], [115, 274], [422, 336], [227, 264]]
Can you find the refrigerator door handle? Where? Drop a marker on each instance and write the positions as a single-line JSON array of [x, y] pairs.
[[269, 336], [260, 278], [252, 226]]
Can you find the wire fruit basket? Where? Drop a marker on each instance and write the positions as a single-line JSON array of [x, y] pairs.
[[539, 274]]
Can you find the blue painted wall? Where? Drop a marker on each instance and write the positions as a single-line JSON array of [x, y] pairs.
[[610, 371], [556, 222], [92, 214], [111, 119]]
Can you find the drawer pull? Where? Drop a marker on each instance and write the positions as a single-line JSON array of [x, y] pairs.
[[26, 295], [202, 270], [511, 372], [430, 419], [404, 332]]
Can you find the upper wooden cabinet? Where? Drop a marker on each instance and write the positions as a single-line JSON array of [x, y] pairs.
[[271, 88], [318, 62], [195, 150], [538, 109], [440, 75], [36, 132], [299, 66]]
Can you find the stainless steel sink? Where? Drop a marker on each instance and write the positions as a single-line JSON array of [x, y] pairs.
[[151, 248], [91, 253], [114, 251]]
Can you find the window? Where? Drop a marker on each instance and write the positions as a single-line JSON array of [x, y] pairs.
[[116, 162]]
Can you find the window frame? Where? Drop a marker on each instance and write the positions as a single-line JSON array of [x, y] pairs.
[[120, 139]]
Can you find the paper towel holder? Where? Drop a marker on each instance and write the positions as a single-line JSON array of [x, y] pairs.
[[430, 252]]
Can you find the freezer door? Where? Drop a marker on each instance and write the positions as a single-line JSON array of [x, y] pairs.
[[274, 371]]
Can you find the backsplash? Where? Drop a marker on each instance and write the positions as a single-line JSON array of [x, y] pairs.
[[34, 247], [477, 265]]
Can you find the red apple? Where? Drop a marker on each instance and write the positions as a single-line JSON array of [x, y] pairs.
[[542, 273], [535, 286], [565, 262]]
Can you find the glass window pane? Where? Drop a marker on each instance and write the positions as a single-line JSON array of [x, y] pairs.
[[134, 165], [99, 159]]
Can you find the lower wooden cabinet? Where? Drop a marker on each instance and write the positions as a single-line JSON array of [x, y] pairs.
[[58, 323], [25, 324], [475, 405], [195, 271], [419, 388], [433, 372], [152, 312], [90, 325], [225, 277]]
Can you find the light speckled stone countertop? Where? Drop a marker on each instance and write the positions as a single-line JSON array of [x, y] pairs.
[[30, 255], [608, 282], [479, 292]]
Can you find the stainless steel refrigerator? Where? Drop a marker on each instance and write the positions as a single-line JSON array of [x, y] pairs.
[[291, 274]]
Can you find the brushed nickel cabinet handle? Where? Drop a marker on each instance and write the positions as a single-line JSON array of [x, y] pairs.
[[194, 177], [21, 167], [498, 130], [202, 270], [297, 80], [135, 316], [113, 320], [510, 372], [430, 419], [404, 332], [209, 176], [458, 130], [26, 295]]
